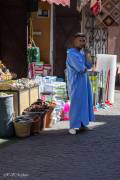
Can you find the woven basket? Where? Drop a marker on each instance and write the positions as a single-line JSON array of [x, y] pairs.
[[48, 118], [22, 129], [35, 125], [35, 128]]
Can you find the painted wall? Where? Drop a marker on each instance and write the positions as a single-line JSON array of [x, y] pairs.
[[42, 24], [114, 41]]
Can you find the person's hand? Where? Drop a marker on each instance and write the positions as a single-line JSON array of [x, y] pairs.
[[89, 57], [94, 68]]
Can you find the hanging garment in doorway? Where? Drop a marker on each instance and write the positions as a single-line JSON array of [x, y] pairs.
[[81, 4], [95, 6]]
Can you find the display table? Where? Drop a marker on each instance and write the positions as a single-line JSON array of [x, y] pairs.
[[23, 98], [33, 94]]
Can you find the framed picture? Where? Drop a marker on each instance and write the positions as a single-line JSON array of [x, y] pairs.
[[43, 13]]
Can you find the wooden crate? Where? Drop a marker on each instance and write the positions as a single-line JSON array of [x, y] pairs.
[[15, 103], [34, 94], [22, 99]]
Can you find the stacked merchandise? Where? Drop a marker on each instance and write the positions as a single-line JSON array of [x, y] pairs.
[[39, 69], [53, 85], [35, 66], [58, 88], [52, 88], [45, 84]]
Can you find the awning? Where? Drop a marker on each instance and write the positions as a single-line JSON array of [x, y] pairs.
[[58, 2]]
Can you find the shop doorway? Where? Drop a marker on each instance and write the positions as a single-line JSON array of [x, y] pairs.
[[67, 21], [13, 42], [97, 35]]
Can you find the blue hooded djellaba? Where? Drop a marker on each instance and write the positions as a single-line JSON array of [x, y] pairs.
[[79, 89]]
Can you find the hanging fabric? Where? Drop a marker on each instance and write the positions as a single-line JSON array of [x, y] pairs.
[[58, 2], [32, 42], [81, 4], [95, 6]]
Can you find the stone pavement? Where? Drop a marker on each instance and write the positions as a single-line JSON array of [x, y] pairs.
[[56, 155]]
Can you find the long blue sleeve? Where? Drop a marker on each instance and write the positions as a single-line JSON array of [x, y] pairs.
[[88, 64], [75, 62]]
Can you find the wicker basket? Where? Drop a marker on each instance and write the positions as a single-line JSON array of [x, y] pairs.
[[48, 118], [35, 128], [22, 129], [36, 123]]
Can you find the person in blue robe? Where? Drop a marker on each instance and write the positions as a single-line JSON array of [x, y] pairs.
[[79, 88]]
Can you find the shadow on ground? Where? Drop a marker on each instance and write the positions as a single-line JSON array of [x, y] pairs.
[[56, 155]]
